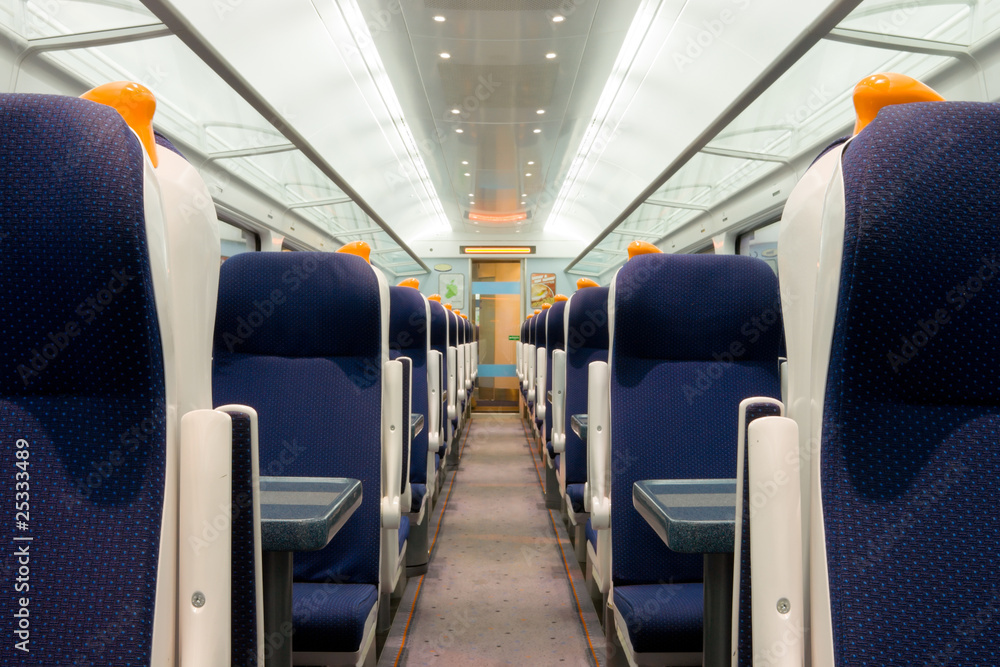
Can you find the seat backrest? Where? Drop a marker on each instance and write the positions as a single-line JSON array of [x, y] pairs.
[[439, 342], [555, 331], [302, 338], [688, 343], [409, 336], [586, 340], [907, 395], [87, 407]]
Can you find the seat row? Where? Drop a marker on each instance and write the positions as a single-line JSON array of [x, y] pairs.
[[150, 394], [837, 436]]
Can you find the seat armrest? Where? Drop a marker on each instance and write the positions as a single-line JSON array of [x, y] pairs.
[[517, 357], [531, 373], [392, 444], [559, 402], [772, 461], [452, 389], [599, 444], [205, 558], [433, 414], [460, 374], [541, 383], [405, 493]]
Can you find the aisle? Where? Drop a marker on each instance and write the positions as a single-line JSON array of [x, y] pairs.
[[497, 591]]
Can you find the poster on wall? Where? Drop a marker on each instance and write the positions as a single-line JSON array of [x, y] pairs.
[[451, 287], [543, 289]]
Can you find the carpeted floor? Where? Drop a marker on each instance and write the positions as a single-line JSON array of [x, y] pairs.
[[497, 591]]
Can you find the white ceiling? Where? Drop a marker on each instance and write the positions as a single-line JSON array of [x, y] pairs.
[[633, 84]]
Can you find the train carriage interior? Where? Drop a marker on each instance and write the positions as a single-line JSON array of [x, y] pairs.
[[596, 333]]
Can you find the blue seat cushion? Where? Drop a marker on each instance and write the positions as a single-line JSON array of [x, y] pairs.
[[555, 463], [331, 617], [591, 534], [437, 461], [575, 493], [417, 493], [662, 618], [551, 450], [404, 531]]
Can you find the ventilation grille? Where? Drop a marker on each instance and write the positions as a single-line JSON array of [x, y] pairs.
[[495, 5], [499, 86]]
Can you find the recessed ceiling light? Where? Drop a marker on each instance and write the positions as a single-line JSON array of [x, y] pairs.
[[465, 162], [528, 174], [459, 130], [468, 174], [524, 194], [537, 130], [540, 112], [456, 111], [447, 55], [531, 162], [558, 18], [550, 55], [441, 19], [523, 203]]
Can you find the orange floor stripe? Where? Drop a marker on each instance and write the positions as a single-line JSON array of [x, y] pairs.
[[420, 584], [569, 574]]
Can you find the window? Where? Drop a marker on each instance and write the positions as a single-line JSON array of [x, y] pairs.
[[761, 243], [236, 240]]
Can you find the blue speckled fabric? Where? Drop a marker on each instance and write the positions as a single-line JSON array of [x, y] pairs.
[[298, 338], [404, 531], [331, 618], [745, 648], [586, 342], [163, 141], [591, 534], [662, 619], [439, 342], [575, 494], [408, 337], [417, 493], [693, 336], [83, 386], [407, 364], [910, 458], [833, 144], [553, 341], [244, 574]]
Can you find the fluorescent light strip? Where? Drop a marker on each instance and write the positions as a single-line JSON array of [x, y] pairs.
[[365, 42], [642, 23], [498, 250]]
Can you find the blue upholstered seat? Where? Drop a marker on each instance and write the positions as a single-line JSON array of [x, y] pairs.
[[439, 342], [554, 335], [909, 463], [662, 618], [299, 338], [404, 531], [331, 618], [85, 398], [682, 359], [408, 336], [574, 492], [586, 341], [418, 493], [591, 534]]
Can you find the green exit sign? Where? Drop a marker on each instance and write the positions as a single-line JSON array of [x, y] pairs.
[[514, 337]]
